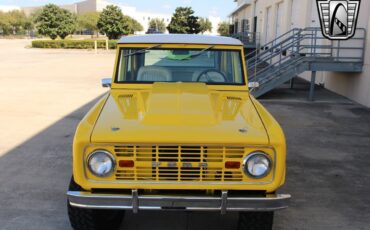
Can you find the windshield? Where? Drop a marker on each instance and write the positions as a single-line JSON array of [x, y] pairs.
[[154, 64]]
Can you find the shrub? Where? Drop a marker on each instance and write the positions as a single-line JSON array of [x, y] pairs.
[[72, 44]]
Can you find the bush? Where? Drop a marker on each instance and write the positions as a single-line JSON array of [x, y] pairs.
[[72, 44]]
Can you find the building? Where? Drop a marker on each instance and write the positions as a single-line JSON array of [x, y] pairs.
[[271, 18], [8, 8]]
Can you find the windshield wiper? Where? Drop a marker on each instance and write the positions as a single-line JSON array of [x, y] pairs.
[[196, 54], [141, 51]]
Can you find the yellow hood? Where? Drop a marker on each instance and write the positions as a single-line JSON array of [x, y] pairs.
[[179, 113]]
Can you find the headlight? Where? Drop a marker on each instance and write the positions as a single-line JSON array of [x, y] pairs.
[[101, 163], [257, 165]]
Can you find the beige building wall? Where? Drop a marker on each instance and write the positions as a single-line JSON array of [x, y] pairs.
[[86, 6], [29, 10], [301, 14], [352, 85]]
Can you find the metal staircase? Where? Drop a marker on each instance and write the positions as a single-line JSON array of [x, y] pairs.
[[301, 50]]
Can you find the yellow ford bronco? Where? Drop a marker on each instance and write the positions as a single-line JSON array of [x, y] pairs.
[[178, 130]]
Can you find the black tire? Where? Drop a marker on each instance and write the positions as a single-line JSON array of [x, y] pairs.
[[90, 219], [255, 220]]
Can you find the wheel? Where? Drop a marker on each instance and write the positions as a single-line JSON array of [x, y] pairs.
[[255, 220], [91, 219]]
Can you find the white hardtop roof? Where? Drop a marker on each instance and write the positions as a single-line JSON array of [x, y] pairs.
[[179, 39]]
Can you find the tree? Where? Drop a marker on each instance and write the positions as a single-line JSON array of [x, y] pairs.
[[205, 25], [111, 22], [157, 24], [68, 24], [89, 21], [5, 27], [224, 28], [54, 21], [132, 25], [17, 20], [183, 21], [14, 22]]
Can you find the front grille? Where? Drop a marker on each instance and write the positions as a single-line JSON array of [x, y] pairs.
[[179, 163]]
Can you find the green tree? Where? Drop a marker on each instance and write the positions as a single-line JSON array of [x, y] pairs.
[[68, 24], [205, 25], [17, 20], [54, 21], [5, 26], [111, 22], [158, 25], [224, 28], [132, 25], [183, 21], [89, 21]]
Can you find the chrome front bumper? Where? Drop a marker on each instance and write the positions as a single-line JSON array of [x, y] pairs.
[[135, 202]]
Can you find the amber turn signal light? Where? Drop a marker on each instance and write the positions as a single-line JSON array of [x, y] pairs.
[[126, 164], [232, 165]]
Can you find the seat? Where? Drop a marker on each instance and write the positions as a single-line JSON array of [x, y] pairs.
[[154, 74]]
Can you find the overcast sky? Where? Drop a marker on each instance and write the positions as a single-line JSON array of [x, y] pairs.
[[202, 8]]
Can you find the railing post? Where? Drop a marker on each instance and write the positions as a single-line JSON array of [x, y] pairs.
[[338, 50], [331, 48], [96, 46], [281, 52], [312, 86], [299, 40], [292, 83], [315, 43]]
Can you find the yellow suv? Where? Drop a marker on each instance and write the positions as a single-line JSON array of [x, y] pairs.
[[178, 130]]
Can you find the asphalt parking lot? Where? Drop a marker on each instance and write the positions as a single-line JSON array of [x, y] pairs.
[[44, 94]]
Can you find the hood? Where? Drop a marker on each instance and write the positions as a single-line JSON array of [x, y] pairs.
[[173, 113]]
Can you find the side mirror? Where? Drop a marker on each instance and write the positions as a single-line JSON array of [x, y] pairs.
[[106, 82], [253, 84]]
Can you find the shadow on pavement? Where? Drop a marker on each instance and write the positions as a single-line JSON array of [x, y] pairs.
[[34, 177]]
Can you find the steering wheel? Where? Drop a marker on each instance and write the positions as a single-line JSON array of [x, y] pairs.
[[209, 79]]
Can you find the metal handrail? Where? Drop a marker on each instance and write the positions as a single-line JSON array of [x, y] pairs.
[[300, 45], [274, 41], [247, 37]]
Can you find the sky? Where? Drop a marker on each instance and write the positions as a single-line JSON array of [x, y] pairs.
[[203, 8]]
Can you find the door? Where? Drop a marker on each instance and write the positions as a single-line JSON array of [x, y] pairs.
[[315, 20], [279, 19], [255, 21], [255, 18], [294, 18], [268, 25]]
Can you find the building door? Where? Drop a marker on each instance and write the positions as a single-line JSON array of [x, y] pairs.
[[294, 18], [268, 25], [255, 18], [279, 19], [315, 20]]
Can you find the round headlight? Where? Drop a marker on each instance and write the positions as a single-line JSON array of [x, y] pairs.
[[257, 165], [101, 163]]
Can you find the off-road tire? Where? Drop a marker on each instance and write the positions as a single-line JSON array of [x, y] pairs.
[[255, 220], [91, 219]]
